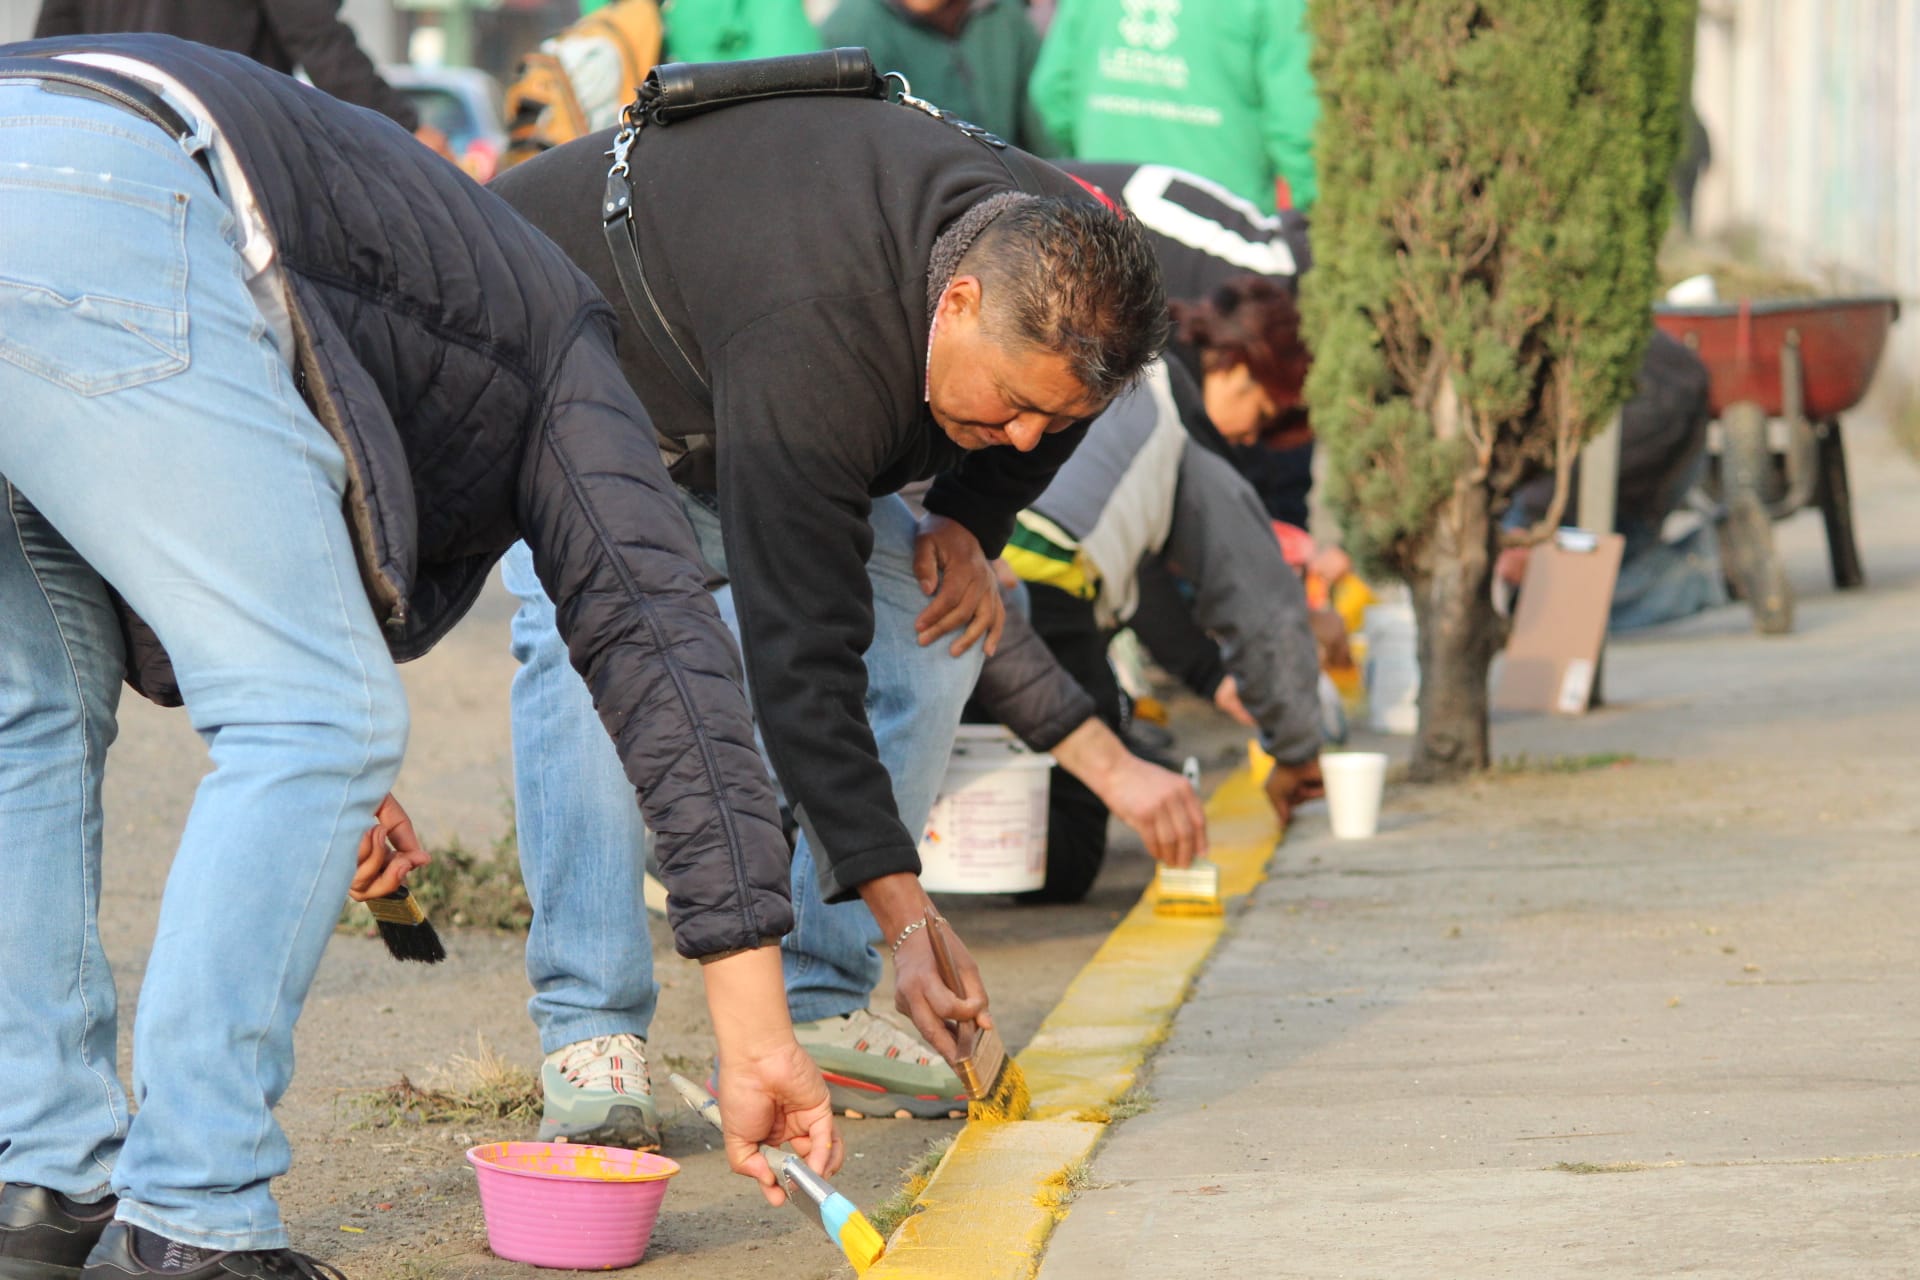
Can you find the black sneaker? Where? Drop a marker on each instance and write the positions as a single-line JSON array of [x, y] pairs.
[[44, 1236], [126, 1250]]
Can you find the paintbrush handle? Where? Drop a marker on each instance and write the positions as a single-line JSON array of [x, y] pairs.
[[943, 955]]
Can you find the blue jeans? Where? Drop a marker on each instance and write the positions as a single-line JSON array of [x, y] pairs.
[[1664, 581], [581, 836], [152, 441]]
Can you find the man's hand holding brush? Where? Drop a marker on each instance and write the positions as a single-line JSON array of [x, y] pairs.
[[389, 853], [900, 907], [769, 1091]]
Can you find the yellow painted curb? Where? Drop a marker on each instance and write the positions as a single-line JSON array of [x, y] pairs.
[[989, 1208], [987, 1212]]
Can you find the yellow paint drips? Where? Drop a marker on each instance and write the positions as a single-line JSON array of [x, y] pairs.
[[591, 1164]]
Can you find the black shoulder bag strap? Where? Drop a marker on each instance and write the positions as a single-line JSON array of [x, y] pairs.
[[677, 90]]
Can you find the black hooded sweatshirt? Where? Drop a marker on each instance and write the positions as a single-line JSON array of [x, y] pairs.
[[788, 242]]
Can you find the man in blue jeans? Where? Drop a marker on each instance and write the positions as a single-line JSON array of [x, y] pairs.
[[862, 296], [582, 846], [256, 446]]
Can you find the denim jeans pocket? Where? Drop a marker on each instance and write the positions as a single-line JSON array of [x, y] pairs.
[[93, 278]]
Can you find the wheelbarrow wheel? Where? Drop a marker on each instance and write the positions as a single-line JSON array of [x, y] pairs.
[[1754, 564], [1836, 508]]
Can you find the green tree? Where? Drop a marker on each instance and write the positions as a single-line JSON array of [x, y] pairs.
[[1493, 189]]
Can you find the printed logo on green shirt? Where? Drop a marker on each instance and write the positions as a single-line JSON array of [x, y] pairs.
[[1150, 24], [1146, 29]]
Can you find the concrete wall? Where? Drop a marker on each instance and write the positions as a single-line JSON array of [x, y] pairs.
[[1813, 107]]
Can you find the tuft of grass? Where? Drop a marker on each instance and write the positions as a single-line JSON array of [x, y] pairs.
[[481, 1086], [904, 1203], [482, 890], [1524, 763], [1135, 1101], [1057, 1193], [1583, 1167]]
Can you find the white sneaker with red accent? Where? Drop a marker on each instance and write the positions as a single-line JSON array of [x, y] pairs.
[[598, 1091], [874, 1067]]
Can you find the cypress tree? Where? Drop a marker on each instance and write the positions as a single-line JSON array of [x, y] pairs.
[[1493, 190]]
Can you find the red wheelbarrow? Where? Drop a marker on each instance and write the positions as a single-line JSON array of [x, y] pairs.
[[1799, 362]]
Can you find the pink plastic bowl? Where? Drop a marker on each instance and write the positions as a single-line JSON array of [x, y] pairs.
[[555, 1204]]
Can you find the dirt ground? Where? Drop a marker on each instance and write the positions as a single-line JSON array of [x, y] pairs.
[[398, 1203]]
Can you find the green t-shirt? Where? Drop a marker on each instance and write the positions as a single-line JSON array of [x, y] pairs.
[[727, 30], [1221, 88]]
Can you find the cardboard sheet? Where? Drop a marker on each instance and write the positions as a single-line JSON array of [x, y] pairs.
[[1559, 625]]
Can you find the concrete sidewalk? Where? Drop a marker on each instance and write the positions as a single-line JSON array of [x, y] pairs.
[[1659, 1018]]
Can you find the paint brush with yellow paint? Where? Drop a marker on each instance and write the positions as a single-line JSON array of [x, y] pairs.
[[806, 1190], [996, 1086], [1193, 890]]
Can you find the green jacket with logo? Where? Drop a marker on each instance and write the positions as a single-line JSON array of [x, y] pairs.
[[1221, 88]]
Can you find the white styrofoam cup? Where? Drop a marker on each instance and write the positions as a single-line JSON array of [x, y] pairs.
[[1355, 781]]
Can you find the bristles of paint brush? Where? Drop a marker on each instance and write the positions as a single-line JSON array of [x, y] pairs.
[[405, 929], [861, 1241], [1191, 908], [996, 1086], [1009, 1098]]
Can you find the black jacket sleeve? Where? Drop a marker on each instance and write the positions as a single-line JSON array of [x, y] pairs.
[[1024, 687], [799, 441], [58, 18], [989, 487], [615, 552], [324, 47]]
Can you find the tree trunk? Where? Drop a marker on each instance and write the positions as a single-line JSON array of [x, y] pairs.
[[1458, 633]]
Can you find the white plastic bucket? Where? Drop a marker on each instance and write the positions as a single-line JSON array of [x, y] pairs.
[[1393, 669], [987, 831]]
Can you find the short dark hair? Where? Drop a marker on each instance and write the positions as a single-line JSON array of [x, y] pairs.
[[1072, 276], [1249, 320]]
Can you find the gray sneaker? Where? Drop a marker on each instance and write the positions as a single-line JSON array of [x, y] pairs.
[[875, 1068], [597, 1091]]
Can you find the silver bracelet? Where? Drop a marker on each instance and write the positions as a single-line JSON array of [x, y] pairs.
[[908, 932]]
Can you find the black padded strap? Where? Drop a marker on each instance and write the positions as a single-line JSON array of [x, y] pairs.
[[676, 90]]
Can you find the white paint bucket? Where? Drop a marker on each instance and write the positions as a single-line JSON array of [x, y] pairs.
[[987, 831], [1393, 669]]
